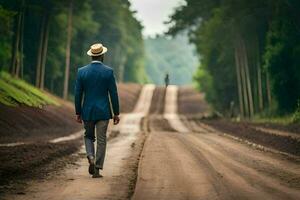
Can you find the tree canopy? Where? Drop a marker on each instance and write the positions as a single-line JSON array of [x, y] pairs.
[[35, 41], [249, 52]]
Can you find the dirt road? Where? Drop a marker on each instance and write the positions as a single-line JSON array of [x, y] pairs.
[[207, 165], [174, 160], [119, 173]]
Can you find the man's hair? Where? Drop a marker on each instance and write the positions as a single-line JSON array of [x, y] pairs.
[[100, 58]]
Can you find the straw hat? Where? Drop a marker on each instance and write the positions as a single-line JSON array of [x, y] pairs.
[[97, 50]]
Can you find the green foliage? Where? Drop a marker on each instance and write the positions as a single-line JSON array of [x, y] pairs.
[[283, 120], [265, 33], [296, 116], [6, 22], [170, 55], [205, 83], [15, 92], [282, 60], [121, 33], [110, 22], [216, 74]]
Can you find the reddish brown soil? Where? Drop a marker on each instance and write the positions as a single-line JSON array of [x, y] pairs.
[[159, 124], [33, 161], [243, 130], [26, 124], [36, 126], [129, 94], [156, 120], [191, 102], [192, 105], [158, 101], [293, 128]]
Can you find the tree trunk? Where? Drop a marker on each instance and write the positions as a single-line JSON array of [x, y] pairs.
[[239, 82], [258, 74], [44, 52], [14, 63], [13, 52], [40, 53], [243, 77], [269, 96], [68, 49], [259, 84], [22, 45], [248, 82]]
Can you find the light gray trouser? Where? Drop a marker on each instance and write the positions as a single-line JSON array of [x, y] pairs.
[[90, 138]]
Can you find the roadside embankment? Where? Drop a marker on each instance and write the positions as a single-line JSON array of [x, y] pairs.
[[273, 138], [29, 119], [283, 138]]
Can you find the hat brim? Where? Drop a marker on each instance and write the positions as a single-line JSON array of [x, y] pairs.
[[89, 52]]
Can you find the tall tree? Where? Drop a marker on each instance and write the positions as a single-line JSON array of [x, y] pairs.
[[264, 56], [44, 50], [6, 33], [68, 51], [239, 80], [47, 57], [20, 70], [15, 63], [41, 48]]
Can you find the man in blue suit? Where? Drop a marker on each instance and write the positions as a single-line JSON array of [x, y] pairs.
[[97, 87]]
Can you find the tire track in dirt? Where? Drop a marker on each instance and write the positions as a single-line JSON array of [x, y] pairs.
[[158, 101], [283, 138], [156, 120], [120, 166], [38, 143], [207, 165]]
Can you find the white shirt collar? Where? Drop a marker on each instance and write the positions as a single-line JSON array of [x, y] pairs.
[[96, 61]]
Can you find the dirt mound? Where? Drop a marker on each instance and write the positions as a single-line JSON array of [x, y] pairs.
[[36, 126], [191, 102], [244, 131], [27, 124], [33, 161], [158, 101], [23, 124], [129, 94], [293, 128]]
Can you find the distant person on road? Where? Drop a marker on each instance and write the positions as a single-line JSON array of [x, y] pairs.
[[167, 80], [96, 86]]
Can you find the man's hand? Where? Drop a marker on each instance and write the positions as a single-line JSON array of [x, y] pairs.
[[116, 119], [78, 119]]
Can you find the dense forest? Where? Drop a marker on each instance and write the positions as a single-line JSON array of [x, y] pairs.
[[248, 50], [250, 53], [174, 56], [45, 42]]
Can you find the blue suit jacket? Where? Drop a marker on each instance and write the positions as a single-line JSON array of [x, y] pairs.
[[95, 82]]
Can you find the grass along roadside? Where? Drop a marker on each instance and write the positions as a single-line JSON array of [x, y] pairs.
[[14, 92]]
